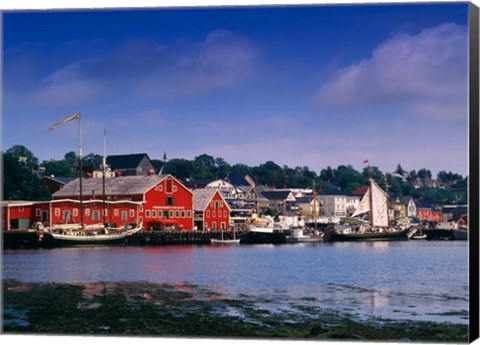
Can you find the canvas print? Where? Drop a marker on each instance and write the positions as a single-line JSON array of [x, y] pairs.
[[252, 172]]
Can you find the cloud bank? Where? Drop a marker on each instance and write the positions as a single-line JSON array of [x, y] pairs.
[[425, 74]]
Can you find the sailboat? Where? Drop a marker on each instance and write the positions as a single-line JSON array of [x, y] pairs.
[[82, 234], [374, 202], [225, 241]]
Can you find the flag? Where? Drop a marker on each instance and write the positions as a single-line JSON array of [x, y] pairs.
[[365, 161], [73, 117]]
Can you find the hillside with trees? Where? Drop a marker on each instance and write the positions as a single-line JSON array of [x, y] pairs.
[[22, 171]]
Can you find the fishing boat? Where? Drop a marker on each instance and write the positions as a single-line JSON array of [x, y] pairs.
[[81, 233], [298, 235], [224, 240], [263, 230], [374, 203]]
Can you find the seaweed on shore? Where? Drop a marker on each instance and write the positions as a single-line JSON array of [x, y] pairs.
[[143, 308]]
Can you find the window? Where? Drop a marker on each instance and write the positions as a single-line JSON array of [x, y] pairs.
[[223, 226], [141, 208], [124, 215], [66, 215], [160, 188], [75, 212], [216, 205], [57, 212], [208, 213], [189, 214], [116, 212], [183, 214], [132, 213], [170, 214], [96, 215], [20, 208], [38, 212], [225, 213], [177, 214], [87, 212], [221, 204], [168, 186], [214, 226], [147, 214], [154, 214], [160, 214], [169, 201], [174, 188]]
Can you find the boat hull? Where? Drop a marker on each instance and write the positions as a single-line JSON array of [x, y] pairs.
[[260, 237], [215, 241], [384, 236], [86, 240], [306, 239], [460, 234]]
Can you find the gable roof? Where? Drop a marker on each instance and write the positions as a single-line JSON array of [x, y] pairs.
[[59, 179], [276, 194], [131, 161], [201, 182], [304, 200], [238, 179], [201, 198], [128, 185]]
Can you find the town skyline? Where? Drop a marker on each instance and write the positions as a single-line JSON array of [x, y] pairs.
[[311, 86]]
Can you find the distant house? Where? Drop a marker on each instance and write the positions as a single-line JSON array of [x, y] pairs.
[[132, 164], [308, 206], [280, 202], [211, 211], [338, 203], [429, 212], [54, 183], [454, 212], [403, 206]]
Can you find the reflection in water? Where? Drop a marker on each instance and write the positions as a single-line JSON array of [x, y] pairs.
[[422, 280]]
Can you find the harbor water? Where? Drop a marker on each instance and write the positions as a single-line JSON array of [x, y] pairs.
[[404, 280]]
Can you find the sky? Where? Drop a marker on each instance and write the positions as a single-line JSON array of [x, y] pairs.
[[314, 86]]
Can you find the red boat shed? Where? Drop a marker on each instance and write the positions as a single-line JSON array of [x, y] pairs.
[[162, 200], [211, 210], [24, 214]]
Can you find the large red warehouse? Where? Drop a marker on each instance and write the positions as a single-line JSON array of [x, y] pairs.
[[163, 200]]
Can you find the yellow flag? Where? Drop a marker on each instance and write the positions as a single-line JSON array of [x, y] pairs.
[[73, 117]]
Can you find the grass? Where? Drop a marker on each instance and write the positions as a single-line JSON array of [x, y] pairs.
[[148, 309]]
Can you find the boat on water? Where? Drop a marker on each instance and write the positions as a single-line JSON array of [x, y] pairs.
[[265, 230], [298, 235], [374, 203], [457, 230], [223, 240]]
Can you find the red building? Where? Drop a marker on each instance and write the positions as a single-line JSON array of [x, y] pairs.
[[428, 215], [211, 210], [23, 214], [156, 200]]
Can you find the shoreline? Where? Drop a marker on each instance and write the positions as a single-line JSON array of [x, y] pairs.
[[166, 310]]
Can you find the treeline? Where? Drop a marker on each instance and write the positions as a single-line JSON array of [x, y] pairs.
[[22, 171]]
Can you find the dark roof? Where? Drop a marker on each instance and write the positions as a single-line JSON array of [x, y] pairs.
[[131, 161], [201, 182], [276, 194], [237, 179], [305, 200]]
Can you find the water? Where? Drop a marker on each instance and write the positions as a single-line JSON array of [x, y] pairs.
[[414, 280]]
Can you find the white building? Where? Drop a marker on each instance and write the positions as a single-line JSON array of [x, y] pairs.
[[338, 204]]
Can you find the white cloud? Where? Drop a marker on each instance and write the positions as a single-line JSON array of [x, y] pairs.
[[426, 74]]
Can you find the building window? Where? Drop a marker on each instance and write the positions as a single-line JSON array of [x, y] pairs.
[[75, 212], [20, 208], [214, 226], [38, 212], [96, 215], [160, 214], [170, 214], [124, 215], [208, 213], [221, 204], [116, 212], [66, 215], [225, 213], [57, 212], [168, 186], [132, 213], [223, 226], [160, 188], [189, 214], [169, 201], [174, 188], [87, 212], [216, 205], [177, 214], [183, 214], [141, 208], [154, 214], [147, 214]]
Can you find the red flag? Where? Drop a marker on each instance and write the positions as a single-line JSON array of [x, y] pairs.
[[365, 161]]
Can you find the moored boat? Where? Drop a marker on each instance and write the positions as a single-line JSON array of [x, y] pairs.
[[297, 235]]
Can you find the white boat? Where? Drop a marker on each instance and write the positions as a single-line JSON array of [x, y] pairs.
[[297, 235], [225, 241]]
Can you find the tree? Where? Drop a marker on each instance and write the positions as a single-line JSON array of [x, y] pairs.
[[424, 174]]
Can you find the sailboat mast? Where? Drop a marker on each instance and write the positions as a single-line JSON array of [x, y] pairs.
[[104, 168], [370, 197], [80, 164], [314, 205]]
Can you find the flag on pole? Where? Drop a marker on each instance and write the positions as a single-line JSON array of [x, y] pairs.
[[73, 117], [365, 161]]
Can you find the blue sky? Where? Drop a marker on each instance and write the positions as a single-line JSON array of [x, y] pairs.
[[312, 86]]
